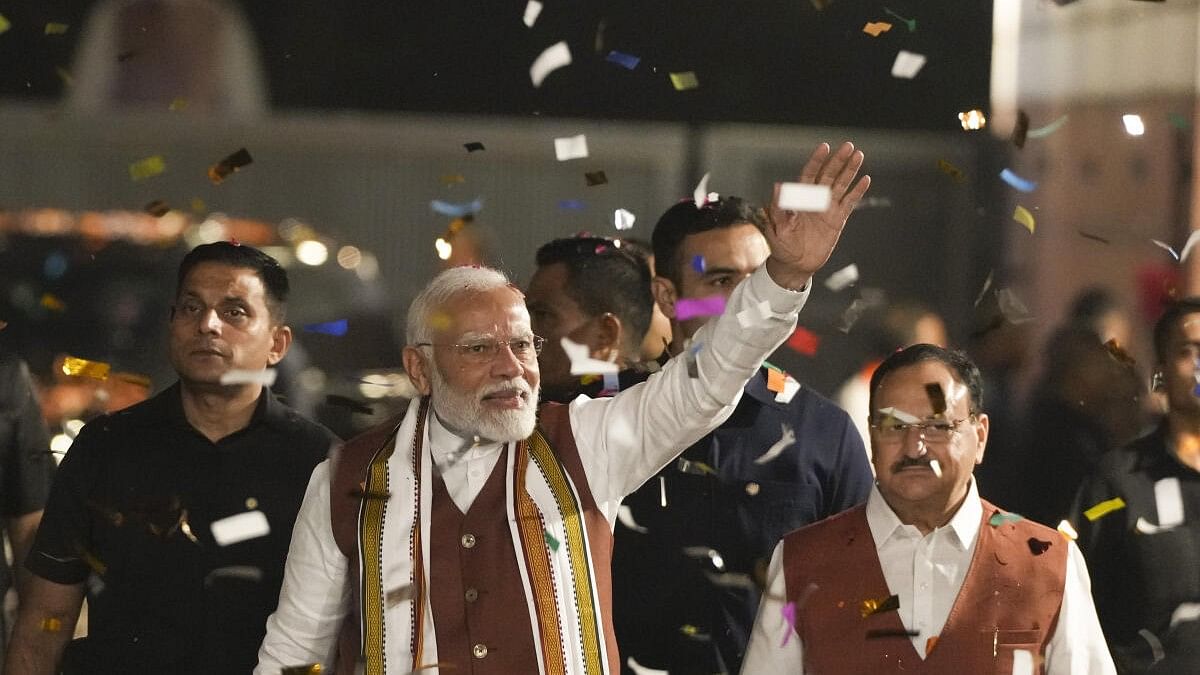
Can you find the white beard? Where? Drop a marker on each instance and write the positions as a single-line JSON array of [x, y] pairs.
[[463, 412]]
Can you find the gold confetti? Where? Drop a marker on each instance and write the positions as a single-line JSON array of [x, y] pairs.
[[875, 28], [51, 625], [972, 120], [57, 28], [4, 24], [133, 378], [452, 178], [157, 208], [230, 165], [65, 76], [439, 321], [147, 168], [310, 669], [84, 368], [1024, 217], [52, 303], [684, 81], [950, 170], [178, 104], [873, 606], [1104, 508]]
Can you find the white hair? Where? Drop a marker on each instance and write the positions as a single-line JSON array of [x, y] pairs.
[[439, 291]]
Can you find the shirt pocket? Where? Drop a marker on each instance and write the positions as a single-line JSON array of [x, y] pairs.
[[771, 509], [1009, 642]]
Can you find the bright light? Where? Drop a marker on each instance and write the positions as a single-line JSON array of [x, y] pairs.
[[1133, 125], [972, 120], [368, 268], [349, 257], [443, 248], [312, 252], [60, 444], [72, 427]]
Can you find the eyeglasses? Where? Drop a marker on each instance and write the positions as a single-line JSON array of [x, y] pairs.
[[484, 351], [893, 431]]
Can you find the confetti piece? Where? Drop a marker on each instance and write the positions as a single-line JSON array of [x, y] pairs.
[[1188, 611], [899, 415], [1021, 129], [804, 197], [1168, 502], [625, 516], [1088, 235], [929, 644], [57, 28], [804, 341], [1119, 353], [474, 146], [936, 467], [1037, 546], [147, 168], [1013, 309], [972, 120], [1189, 245], [775, 380], [1178, 121], [999, 519], [240, 527], [582, 362], [700, 194], [157, 208], [878, 633], [132, 378], [594, 178], [693, 367], [888, 604], [452, 178], [573, 205], [350, 404], [790, 387], [639, 669], [684, 81], [789, 617], [51, 625], [937, 398], [337, 328], [65, 76], [571, 147], [1022, 662], [443, 248], [694, 633], [310, 669], [551, 541], [1067, 530], [623, 220], [1017, 182], [907, 64], [690, 308], [626, 61], [842, 278], [198, 206], [1156, 646], [910, 23], [875, 28], [1104, 508], [4, 24], [84, 368], [178, 104], [1024, 217], [787, 438], [753, 316], [265, 377], [52, 303], [694, 467], [950, 170], [239, 572], [698, 264], [1166, 247], [452, 210], [228, 166], [532, 9], [852, 314], [987, 283], [1042, 132], [554, 57]]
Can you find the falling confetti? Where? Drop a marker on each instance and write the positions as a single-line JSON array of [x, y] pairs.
[[1178, 121], [972, 120], [698, 264], [452, 179], [582, 362], [1024, 217], [147, 168], [551, 541], [310, 669], [790, 387], [684, 81], [787, 439], [4, 24], [474, 146], [875, 28], [554, 57], [804, 341], [572, 205], [776, 380], [842, 278], [639, 669], [1134, 125], [1093, 237], [337, 328], [690, 308], [803, 197], [265, 377], [157, 208], [452, 210], [950, 170], [532, 9], [1021, 129], [1189, 245], [693, 367], [52, 302], [230, 165], [57, 28], [1067, 530], [936, 467], [910, 23], [999, 519], [1156, 646], [1017, 183], [571, 147], [178, 104], [1042, 132], [84, 368], [907, 64], [626, 61], [789, 617], [888, 604], [623, 220], [625, 516], [1104, 508], [1022, 662], [443, 248], [240, 527], [899, 415], [239, 572], [1168, 502], [1037, 546], [700, 193], [593, 178], [51, 625]]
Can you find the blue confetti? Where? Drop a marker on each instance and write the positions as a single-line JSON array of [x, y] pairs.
[[572, 205], [55, 265], [698, 264], [626, 61], [1017, 182], [338, 327], [451, 210]]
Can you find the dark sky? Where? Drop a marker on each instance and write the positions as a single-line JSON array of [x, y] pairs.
[[755, 61]]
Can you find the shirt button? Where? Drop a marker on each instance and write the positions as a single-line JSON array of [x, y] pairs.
[[471, 595], [468, 541], [479, 650], [753, 488]]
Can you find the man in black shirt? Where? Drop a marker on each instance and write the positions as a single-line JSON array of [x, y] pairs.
[[1138, 518], [26, 470], [174, 516]]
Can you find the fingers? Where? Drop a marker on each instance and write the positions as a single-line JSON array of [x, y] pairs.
[[836, 164], [855, 195], [815, 161], [847, 174]]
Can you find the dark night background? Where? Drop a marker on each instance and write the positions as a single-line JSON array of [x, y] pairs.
[[778, 62]]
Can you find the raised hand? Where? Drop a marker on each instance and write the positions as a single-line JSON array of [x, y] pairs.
[[802, 241]]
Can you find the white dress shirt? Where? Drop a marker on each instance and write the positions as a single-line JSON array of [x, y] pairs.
[[622, 441], [464, 464], [927, 572]]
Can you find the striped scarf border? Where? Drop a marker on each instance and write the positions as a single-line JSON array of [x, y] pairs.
[[537, 560]]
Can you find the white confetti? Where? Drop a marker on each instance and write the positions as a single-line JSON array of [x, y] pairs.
[[582, 362], [907, 64], [1166, 247], [625, 515], [1168, 502], [1156, 646], [936, 467], [903, 417], [787, 438], [623, 220], [1022, 662], [265, 377], [804, 197], [243, 572], [700, 194], [570, 147], [243, 526], [639, 669], [554, 57], [753, 316], [842, 278], [532, 9], [1188, 611], [790, 387], [1067, 530], [1013, 309], [1187, 248]]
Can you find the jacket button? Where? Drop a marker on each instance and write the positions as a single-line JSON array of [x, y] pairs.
[[471, 595], [468, 541], [479, 650]]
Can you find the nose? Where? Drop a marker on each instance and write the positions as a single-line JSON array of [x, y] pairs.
[[917, 449], [506, 364], [209, 322]]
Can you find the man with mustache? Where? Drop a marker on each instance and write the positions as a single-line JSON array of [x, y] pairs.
[[173, 515], [926, 576], [474, 533]]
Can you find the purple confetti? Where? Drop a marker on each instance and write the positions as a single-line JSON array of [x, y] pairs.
[[337, 328], [698, 264], [789, 615], [626, 61], [572, 205], [688, 308]]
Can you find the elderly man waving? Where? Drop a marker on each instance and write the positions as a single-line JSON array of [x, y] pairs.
[[475, 532]]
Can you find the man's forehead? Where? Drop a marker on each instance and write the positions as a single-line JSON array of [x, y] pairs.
[[227, 279], [484, 313], [924, 381]]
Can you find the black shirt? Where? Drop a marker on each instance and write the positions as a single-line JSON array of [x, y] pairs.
[[130, 514], [1138, 578]]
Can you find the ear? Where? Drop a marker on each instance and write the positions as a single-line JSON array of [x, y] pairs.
[[418, 369], [607, 337], [281, 341], [981, 433], [665, 294]]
